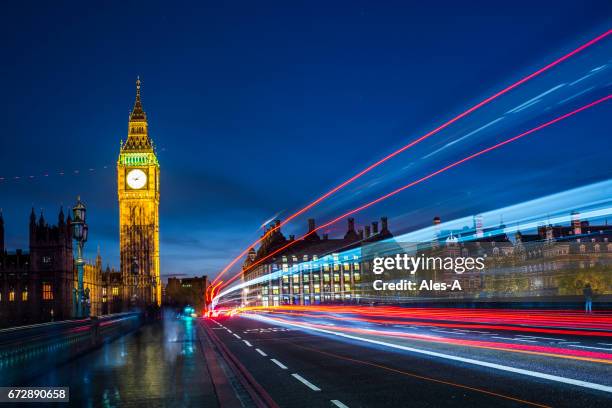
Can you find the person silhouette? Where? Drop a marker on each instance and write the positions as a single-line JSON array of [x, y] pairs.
[[588, 298]]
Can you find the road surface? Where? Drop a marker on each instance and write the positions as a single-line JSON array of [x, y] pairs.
[[420, 366]]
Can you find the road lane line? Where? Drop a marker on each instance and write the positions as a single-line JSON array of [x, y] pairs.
[[278, 363], [247, 343], [236, 336], [305, 382], [605, 344], [261, 352], [501, 367], [589, 347], [339, 404], [536, 337], [509, 338], [450, 332]]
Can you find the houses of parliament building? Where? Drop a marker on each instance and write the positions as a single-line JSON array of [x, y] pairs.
[[37, 285]]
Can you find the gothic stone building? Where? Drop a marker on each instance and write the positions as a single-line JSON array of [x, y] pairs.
[[37, 286]]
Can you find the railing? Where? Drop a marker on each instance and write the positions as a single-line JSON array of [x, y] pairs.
[[28, 351]]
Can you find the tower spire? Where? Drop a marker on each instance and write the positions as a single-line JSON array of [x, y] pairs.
[[138, 113]]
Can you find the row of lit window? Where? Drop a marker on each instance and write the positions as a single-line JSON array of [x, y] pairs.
[[326, 278], [305, 289], [47, 293]]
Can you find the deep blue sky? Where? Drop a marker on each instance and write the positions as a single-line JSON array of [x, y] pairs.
[[258, 107]]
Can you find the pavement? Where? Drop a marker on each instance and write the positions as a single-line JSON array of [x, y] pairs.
[[160, 365], [330, 360]]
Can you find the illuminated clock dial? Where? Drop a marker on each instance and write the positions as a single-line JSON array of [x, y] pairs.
[[136, 179]]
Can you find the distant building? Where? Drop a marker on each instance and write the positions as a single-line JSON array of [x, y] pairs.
[[325, 274], [186, 291], [37, 286]]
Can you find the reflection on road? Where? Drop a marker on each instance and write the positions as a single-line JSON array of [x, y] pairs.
[[159, 365]]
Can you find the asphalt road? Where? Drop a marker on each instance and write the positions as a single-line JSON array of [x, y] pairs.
[[303, 368]]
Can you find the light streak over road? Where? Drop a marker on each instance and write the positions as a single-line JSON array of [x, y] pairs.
[[210, 295], [422, 179]]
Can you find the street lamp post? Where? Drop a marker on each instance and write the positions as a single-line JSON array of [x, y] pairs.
[[79, 233]]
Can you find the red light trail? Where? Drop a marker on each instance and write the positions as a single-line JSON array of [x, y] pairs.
[[594, 356], [422, 179], [556, 62]]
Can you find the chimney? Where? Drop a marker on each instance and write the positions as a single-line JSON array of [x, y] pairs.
[[311, 224], [351, 224], [325, 237], [367, 231], [436, 220], [478, 226], [576, 225], [384, 225], [360, 233], [374, 227]]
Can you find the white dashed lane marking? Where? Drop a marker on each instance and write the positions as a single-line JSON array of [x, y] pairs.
[[305, 382], [261, 352], [278, 363], [589, 347], [236, 336], [339, 404], [247, 343]]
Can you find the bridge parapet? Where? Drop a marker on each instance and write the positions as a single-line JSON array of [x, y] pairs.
[[28, 351]]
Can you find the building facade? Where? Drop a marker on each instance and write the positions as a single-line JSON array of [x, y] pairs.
[[553, 264], [138, 193], [38, 285], [317, 269]]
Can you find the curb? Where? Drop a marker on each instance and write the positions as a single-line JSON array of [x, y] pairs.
[[258, 394]]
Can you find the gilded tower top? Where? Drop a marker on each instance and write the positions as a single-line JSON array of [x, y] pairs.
[[138, 114], [138, 134]]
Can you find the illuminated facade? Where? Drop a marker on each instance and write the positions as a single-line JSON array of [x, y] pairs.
[[312, 271], [138, 191]]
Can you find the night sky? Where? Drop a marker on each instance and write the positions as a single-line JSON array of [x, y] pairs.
[[259, 107]]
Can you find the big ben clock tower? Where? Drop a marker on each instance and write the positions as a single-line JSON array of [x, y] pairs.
[[138, 188]]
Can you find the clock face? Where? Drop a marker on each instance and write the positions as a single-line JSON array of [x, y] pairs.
[[136, 179]]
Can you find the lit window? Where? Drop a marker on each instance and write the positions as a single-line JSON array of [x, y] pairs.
[[47, 291], [12, 295], [285, 279], [336, 277], [347, 277], [326, 277], [317, 288], [356, 266], [24, 295], [115, 291], [336, 267], [306, 277], [326, 267], [356, 277], [347, 288], [346, 266]]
